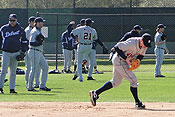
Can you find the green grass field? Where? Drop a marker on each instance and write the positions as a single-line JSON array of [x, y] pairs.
[[64, 89]]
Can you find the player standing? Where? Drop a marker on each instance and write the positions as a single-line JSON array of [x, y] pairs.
[[160, 48], [36, 56], [12, 41], [132, 48], [67, 46], [85, 36], [27, 59]]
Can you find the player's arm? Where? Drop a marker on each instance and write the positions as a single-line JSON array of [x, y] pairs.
[[140, 57], [158, 40], [33, 41], [24, 41], [100, 43]]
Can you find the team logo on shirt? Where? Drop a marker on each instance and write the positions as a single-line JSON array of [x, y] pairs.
[[8, 34]]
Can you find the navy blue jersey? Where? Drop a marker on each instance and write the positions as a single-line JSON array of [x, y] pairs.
[[130, 34], [13, 39], [67, 41]]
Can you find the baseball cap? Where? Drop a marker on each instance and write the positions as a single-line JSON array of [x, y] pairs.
[[32, 18], [146, 39], [82, 21], [137, 27], [89, 21], [161, 26], [39, 19], [13, 16]]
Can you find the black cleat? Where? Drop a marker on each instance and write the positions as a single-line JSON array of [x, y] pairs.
[[69, 71], [139, 105], [5, 80], [31, 90], [45, 89], [75, 77], [93, 97], [159, 76], [90, 78], [12, 91], [1, 91]]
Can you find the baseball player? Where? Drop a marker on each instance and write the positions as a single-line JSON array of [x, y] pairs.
[[67, 46], [85, 36], [27, 59], [132, 48], [160, 49], [12, 42], [135, 32], [82, 23], [36, 56]]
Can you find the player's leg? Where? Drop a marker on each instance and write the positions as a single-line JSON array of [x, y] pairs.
[[69, 61], [13, 65], [28, 68], [130, 76], [44, 66], [35, 58], [91, 57], [37, 75], [116, 81], [76, 59], [159, 59], [66, 56], [5, 63]]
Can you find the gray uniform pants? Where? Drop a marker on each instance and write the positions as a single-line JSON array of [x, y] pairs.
[[9, 59], [67, 58], [159, 60], [28, 68], [37, 59]]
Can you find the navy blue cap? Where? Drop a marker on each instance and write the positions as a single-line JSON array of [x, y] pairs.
[[146, 39], [13, 16], [31, 19], [161, 26], [89, 21], [137, 27], [39, 19], [82, 21]]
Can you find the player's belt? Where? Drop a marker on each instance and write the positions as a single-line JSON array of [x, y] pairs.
[[161, 48], [85, 43], [36, 49]]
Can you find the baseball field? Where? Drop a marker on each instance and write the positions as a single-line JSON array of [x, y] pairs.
[[71, 98]]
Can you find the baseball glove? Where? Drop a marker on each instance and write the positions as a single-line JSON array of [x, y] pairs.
[[20, 57], [135, 64], [163, 37], [40, 38], [105, 50]]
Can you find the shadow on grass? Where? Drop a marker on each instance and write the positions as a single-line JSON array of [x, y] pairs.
[[31, 94]]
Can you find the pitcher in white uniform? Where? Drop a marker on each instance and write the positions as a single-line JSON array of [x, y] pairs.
[[132, 48]]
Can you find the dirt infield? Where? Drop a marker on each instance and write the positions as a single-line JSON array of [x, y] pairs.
[[84, 109]]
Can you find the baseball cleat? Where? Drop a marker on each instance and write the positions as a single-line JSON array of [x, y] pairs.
[[93, 97], [45, 89], [12, 91], [1, 91], [31, 90], [69, 71], [75, 77], [139, 105], [90, 78], [81, 80], [159, 76]]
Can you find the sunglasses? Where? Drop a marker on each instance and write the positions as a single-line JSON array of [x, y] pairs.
[[12, 20]]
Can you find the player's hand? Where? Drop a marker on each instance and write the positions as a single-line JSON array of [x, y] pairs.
[[128, 60], [167, 51]]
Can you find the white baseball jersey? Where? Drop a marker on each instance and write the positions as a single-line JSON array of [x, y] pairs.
[[130, 48], [33, 34], [85, 34], [28, 30]]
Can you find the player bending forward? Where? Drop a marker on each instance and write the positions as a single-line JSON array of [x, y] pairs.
[[125, 52]]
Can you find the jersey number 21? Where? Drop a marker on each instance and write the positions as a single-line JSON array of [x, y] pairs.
[[87, 36]]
